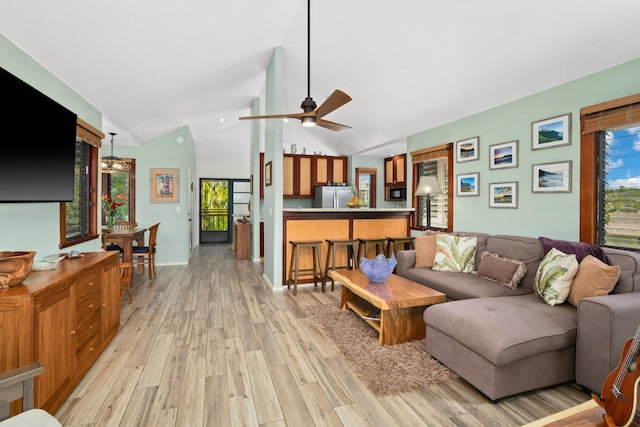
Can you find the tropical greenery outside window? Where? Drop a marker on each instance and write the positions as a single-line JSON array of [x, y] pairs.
[[619, 192], [116, 183], [436, 161], [610, 173]]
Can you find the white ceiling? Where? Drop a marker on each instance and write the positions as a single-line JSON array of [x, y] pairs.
[[154, 66]]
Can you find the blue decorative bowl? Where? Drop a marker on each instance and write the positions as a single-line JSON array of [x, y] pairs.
[[379, 268]]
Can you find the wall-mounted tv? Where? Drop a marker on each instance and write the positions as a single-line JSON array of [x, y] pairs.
[[38, 136]]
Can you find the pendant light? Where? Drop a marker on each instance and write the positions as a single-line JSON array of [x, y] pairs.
[[111, 164]]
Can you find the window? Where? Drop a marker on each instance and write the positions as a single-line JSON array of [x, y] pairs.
[[78, 219], [436, 161], [610, 173], [116, 183], [619, 189]]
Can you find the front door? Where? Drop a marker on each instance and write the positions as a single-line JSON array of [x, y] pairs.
[[214, 211], [220, 201]]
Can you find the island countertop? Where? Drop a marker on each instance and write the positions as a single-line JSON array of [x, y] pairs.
[[305, 224]]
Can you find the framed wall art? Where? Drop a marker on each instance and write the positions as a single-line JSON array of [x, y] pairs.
[[552, 132], [267, 174], [468, 184], [503, 195], [164, 185], [552, 177], [467, 149], [503, 155]]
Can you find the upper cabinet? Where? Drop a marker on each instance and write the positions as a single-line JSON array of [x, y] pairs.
[[297, 176], [330, 170], [395, 170]]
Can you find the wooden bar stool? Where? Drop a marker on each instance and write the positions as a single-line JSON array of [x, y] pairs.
[[352, 261], [295, 272], [363, 246], [399, 242]]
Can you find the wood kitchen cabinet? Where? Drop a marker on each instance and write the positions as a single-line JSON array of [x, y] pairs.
[[297, 176], [330, 170], [395, 170], [63, 318]]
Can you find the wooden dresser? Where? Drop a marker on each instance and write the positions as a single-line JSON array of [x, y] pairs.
[[63, 318]]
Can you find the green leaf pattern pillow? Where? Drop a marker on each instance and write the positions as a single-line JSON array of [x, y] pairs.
[[555, 276], [455, 253]]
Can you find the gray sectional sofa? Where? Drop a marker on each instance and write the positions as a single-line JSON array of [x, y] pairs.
[[507, 341]]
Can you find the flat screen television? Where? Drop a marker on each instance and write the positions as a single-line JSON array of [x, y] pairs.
[[38, 152]]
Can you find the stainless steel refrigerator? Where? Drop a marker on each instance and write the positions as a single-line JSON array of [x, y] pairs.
[[331, 197]]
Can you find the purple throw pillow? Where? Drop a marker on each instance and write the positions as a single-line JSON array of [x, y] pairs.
[[580, 249]]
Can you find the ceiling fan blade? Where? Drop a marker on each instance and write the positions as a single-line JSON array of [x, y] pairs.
[[336, 100], [274, 116], [337, 127]]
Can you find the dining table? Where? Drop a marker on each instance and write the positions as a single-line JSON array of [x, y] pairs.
[[125, 238]]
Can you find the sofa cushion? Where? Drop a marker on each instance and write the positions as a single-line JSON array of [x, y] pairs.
[[461, 286], [555, 276], [503, 330], [455, 253], [594, 278], [527, 249], [504, 271], [425, 250], [579, 249]]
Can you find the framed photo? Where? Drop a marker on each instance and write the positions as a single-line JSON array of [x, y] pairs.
[[552, 177], [552, 132], [164, 186], [503, 195], [467, 149], [468, 184], [503, 155], [267, 174]]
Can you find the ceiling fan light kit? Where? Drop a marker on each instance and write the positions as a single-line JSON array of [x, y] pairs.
[[312, 115]]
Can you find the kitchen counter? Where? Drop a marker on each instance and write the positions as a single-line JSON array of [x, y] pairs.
[[343, 223]]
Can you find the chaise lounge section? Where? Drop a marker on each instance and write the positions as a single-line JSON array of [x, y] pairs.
[[506, 341]]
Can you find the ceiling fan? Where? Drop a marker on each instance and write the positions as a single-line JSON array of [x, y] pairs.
[[311, 115]]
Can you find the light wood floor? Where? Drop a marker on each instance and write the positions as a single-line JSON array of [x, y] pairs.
[[210, 344]]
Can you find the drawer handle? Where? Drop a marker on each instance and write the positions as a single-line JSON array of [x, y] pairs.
[[90, 305], [104, 304], [90, 283], [73, 332], [91, 349]]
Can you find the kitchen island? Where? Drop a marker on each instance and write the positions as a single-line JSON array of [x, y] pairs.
[[347, 223]]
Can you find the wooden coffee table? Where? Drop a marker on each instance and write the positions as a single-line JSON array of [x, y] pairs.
[[399, 303]]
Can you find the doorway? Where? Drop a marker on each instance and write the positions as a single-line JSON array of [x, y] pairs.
[[222, 200]]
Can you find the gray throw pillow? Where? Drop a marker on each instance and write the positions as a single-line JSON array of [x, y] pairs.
[[505, 271]]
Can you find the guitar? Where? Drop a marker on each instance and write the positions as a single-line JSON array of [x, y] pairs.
[[620, 391]]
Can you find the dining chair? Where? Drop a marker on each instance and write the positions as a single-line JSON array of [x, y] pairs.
[[126, 269], [109, 246], [147, 254], [124, 225]]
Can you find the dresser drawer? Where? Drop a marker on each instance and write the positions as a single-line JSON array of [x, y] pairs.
[[88, 354], [88, 284], [88, 329], [88, 306]]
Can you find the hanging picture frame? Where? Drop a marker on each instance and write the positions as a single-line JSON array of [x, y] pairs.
[[267, 174], [505, 155], [503, 195], [467, 149], [551, 177], [164, 186], [551, 132], [468, 184]]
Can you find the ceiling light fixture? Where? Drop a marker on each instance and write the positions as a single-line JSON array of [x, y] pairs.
[[111, 164]]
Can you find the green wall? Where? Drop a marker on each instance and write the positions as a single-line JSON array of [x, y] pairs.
[[36, 225], [551, 214]]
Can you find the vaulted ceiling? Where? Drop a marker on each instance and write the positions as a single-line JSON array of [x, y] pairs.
[[409, 65]]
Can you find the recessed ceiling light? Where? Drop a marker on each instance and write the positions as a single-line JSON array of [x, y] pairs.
[[221, 119]]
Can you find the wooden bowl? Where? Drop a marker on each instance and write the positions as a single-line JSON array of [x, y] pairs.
[[14, 267]]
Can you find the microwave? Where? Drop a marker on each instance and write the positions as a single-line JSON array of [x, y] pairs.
[[398, 193]]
